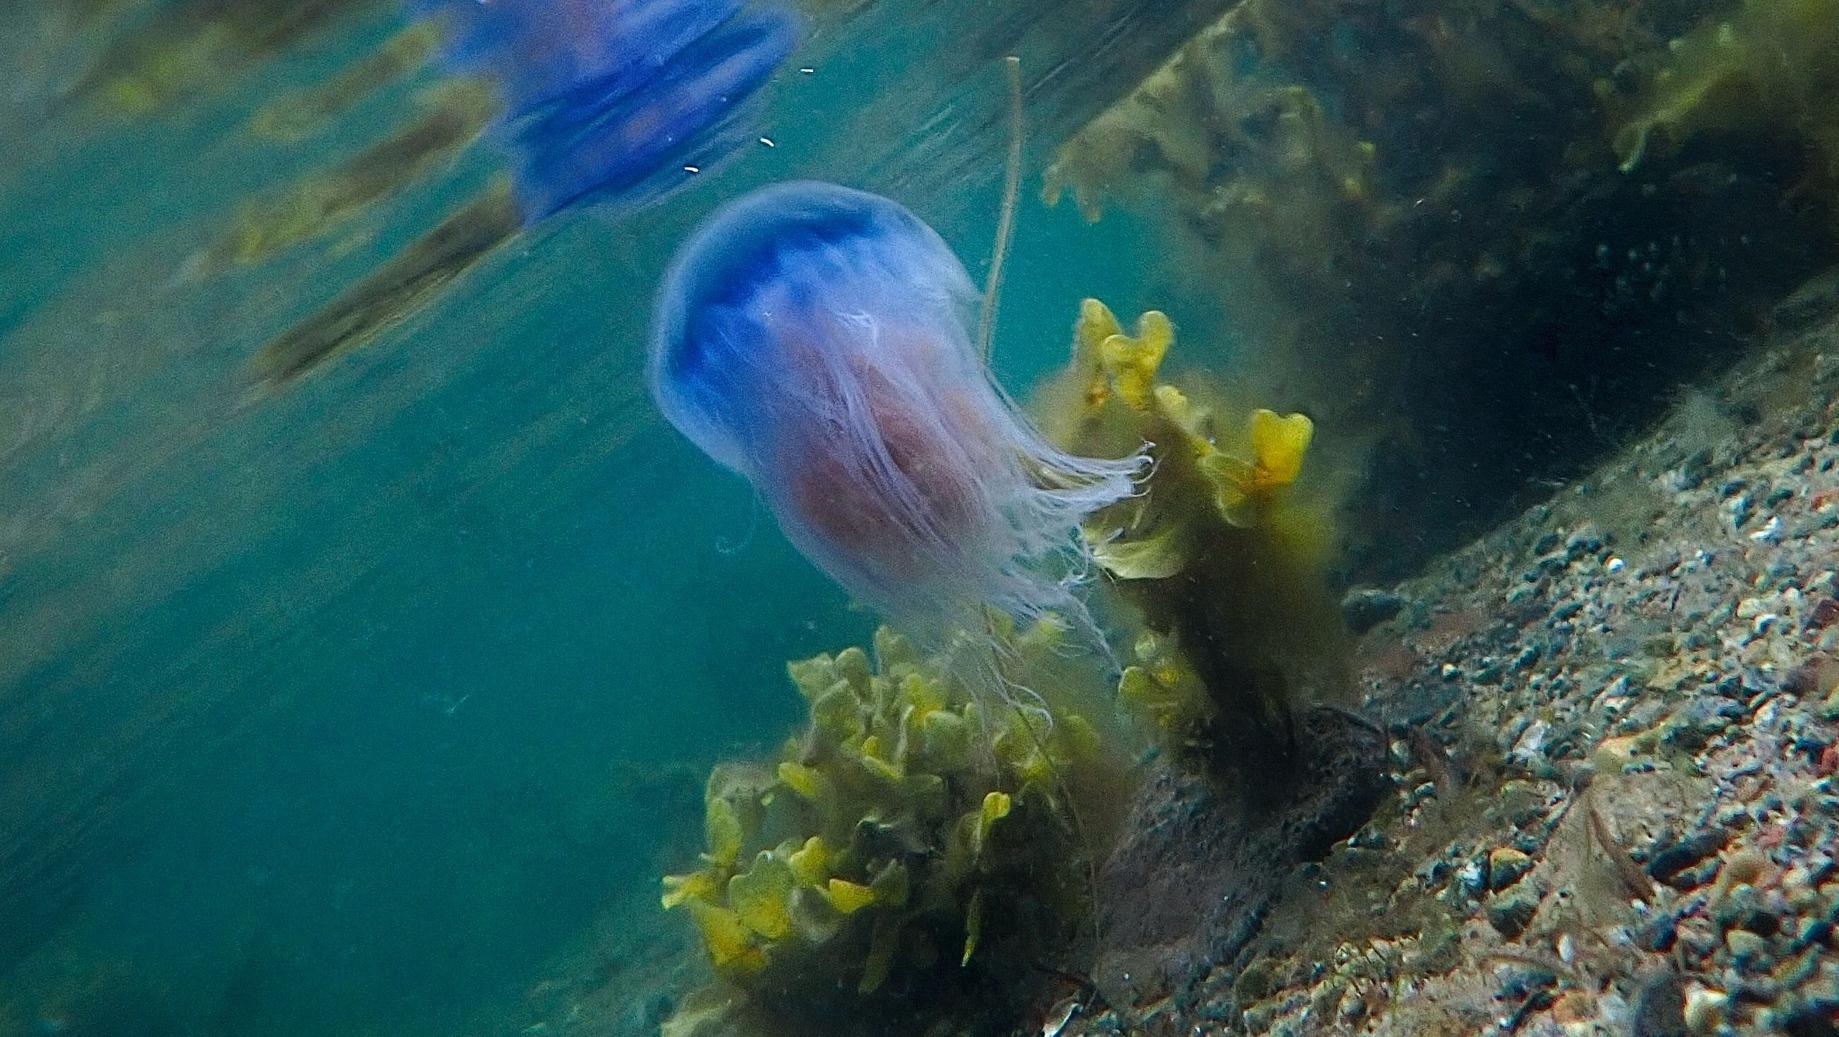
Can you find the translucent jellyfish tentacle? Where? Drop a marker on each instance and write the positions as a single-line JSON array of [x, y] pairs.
[[1071, 802]]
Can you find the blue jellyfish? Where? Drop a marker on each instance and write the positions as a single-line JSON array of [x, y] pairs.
[[615, 101], [814, 339]]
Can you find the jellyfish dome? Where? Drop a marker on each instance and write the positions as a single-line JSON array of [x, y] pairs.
[[615, 101], [814, 339]]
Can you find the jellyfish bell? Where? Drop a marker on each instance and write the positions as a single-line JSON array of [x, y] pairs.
[[814, 339]]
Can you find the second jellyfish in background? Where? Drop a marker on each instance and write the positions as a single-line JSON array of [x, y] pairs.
[[615, 102]]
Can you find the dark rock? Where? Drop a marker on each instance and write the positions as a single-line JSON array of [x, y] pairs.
[[1674, 858], [1730, 686], [1255, 982], [1805, 678], [1754, 990], [1694, 470], [1823, 615], [1659, 934], [1660, 1008], [1740, 511], [1511, 910], [1822, 868], [1507, 866], [1815, 1018], [1202, 862], [1521, 982], [1815, 932], [1695, 726], [1364, 608], [1586, 541], [1748, 952], [1742, 908]]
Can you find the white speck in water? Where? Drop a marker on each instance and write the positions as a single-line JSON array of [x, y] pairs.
[[768, 141], [692, 169]]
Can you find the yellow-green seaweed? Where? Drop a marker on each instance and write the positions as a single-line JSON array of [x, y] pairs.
[[1224, 563], [1767, 69], [1465, 233], [909, 818]]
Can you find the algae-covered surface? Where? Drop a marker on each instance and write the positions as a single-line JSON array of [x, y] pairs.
[[375, 659]]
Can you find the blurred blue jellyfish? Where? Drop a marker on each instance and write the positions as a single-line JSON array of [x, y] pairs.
[[814, 339], [615, 100]]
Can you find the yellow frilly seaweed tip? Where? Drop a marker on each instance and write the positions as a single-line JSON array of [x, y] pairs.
[[811, 862], [759, 896], [730, 945], [808, 782], [722, 831], [1096, 323], [875, 759], [1116, 362], [1154, 557], [1278, 445], [1242, 487], [996, 806], [848, 897], [680, 889], [1131, 361]]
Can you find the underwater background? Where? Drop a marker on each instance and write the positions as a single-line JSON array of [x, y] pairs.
[[366, 635], [339, 708]]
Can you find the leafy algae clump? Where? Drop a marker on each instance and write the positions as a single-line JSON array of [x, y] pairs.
[[914, 854], [1767, 70], [1224, 563], [1466, 234]]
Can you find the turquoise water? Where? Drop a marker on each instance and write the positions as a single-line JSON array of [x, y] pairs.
[[345, 708], [366, 636]]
